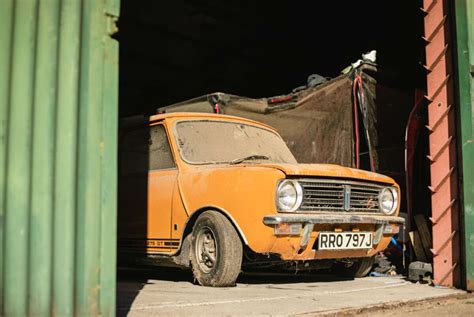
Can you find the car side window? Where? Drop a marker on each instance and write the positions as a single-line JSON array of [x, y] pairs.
[[134, 152], [160, 151]]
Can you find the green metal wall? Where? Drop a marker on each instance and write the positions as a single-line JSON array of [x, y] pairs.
[[58, 122], [464, 10]]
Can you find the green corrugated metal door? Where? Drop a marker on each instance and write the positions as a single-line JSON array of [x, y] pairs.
[[58, 122], [464, 10]]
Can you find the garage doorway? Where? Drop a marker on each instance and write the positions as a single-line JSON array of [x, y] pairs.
[[170, 52]]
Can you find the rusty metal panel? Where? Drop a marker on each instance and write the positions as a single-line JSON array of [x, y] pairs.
[[442, 140], [464, 11], [58, 124]]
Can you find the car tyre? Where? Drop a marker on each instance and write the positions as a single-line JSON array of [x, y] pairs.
[[216, 250], [359, 268]]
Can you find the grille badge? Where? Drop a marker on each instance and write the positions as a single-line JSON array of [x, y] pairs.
[[347, 197]]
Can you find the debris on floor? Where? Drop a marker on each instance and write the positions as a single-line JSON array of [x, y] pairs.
[[420, 272], [383, 267]]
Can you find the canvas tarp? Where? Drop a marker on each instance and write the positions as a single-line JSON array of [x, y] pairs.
[[316, 123]]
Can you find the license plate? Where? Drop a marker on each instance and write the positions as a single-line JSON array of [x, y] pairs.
[[344, 240]]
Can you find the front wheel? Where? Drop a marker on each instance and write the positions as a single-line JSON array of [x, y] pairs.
[[359, 268], [216, 250]]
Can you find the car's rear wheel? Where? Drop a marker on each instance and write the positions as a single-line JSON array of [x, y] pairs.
[[358, 268], [216, 250]]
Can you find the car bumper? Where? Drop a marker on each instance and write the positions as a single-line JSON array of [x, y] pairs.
[[382, 227], [332, 219]]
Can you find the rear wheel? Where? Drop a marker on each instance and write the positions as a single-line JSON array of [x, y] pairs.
[[216, 250], [359, 268]]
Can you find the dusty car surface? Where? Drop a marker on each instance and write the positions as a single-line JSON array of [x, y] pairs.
[[216, 193]]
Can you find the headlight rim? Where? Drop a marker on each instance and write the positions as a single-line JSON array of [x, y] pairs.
[[394, 193], [299, 195]]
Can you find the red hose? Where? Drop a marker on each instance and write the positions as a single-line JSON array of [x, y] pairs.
[[358, 84], [357, 79]]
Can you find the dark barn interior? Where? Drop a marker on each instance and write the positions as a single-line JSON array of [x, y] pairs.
[[174, 51]]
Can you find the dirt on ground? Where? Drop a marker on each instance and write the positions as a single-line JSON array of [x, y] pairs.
[[448, 306]]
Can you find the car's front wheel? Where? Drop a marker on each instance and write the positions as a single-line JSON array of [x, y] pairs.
[[358, 268], [216, 250]]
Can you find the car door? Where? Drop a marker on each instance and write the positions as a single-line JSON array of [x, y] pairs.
[[162, 178]]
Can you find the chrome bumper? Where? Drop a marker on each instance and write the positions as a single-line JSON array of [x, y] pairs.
[[332, 219], [382, 223]]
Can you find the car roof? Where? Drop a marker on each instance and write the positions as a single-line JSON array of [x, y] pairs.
[[199, 115]]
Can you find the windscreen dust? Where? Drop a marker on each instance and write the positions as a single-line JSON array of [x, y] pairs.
[[219, 142]]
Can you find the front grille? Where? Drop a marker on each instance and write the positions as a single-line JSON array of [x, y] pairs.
[[334, 195]]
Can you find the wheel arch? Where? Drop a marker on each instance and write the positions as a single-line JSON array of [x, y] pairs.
[[193, 217]]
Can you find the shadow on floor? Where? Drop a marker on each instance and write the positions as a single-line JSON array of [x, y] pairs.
[[130, 281]]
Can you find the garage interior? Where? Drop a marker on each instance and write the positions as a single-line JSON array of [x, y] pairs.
[[173, 52], [170, 52], [59, 102]]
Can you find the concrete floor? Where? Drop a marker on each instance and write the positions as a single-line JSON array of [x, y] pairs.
[[453, 307], [172, 292]]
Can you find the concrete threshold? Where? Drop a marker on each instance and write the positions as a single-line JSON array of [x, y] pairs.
[[267, 295], [385, 306]]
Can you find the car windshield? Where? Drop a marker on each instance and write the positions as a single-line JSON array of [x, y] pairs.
[[220, 142]]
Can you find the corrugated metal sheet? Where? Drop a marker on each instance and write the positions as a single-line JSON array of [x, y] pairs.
[[464, 10], [58, 123], [442, 140]]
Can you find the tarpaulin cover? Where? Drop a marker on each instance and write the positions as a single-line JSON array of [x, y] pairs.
[[317, 123]]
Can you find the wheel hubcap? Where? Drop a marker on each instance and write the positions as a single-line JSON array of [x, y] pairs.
[[206, 250]]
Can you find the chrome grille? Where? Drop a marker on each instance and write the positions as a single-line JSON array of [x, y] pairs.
[[328, 195]]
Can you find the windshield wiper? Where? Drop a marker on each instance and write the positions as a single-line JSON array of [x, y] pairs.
[[248, 158]]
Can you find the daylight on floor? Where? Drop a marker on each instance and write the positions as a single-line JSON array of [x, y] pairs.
[[236, 158]]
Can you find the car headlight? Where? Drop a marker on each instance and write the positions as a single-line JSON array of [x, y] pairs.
[[289, 195], [388, 200]]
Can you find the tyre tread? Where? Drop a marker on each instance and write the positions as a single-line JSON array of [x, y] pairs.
[[232, 249]]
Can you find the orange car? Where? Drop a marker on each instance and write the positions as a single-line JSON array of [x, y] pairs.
[[216, 193]]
